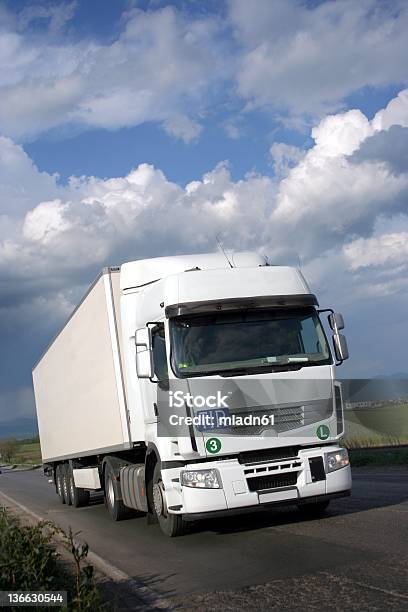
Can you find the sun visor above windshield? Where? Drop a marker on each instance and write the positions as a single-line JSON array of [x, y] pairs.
[[274, 301], [263, 287]]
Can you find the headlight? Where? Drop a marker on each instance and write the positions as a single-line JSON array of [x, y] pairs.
[[336, 460], [201, 479]]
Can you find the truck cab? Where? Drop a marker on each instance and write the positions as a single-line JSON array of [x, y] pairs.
[[231, 388]]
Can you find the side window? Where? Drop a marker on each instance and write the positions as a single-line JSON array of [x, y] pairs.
[[159, 352]]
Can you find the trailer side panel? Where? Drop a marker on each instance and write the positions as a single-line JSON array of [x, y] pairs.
[[81, 407]]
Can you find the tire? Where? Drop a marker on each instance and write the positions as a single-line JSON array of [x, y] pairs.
[[116, 508], [314, 509], [79, 497], [59, 482], [172, 525], [65, 483]]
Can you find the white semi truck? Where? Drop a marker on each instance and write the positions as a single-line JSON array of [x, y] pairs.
[[194, 386]]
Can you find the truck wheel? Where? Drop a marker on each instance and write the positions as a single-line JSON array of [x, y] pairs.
[[59, 478], [79, 497], [65, 483], [314, 509], [115, 506], [171, 525]]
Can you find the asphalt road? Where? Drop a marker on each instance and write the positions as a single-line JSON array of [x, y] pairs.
[[356, 557]]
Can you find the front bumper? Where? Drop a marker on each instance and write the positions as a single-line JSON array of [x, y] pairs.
[[261, 507], [246, 487]]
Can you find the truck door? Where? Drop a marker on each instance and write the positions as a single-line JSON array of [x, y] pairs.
[[150, 389]]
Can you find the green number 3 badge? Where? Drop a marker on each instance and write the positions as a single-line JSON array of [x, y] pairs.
[[213, 445]]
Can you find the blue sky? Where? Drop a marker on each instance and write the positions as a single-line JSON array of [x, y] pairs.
[[280, 125]]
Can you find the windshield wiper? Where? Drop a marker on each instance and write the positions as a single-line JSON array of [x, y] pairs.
[[261, 369]]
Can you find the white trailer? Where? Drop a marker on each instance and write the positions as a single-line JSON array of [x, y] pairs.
[[191, 386]]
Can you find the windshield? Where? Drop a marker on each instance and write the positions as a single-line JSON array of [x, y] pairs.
[[251, 341]]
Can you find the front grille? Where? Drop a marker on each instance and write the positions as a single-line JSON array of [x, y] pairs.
[[288, 417], [267, 455], [260, 483], [285, 419]]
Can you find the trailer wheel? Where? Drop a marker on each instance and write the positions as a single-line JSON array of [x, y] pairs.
[[65, 483], [171, 525], [315, 509], [79, 497], [115, 506], [59, 480]]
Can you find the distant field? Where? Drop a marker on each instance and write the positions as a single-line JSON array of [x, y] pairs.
[[381, 426], [29, 452], [23, 451]]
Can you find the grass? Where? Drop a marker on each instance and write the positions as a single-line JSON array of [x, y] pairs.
[[381, 426], [28, 452], [375, 427], [29, 562], [379, 457]]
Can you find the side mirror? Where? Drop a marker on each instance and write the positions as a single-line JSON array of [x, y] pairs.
[[340, 347], [336, 321], [144, 357]]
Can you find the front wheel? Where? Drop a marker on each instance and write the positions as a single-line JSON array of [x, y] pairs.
[[171, 525]]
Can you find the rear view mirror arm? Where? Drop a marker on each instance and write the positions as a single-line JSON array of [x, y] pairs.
[[331, 311]]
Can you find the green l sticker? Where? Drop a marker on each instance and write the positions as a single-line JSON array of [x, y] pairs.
[[323, 432], [213, 445]]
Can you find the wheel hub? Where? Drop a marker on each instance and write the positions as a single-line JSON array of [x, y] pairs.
[[158, 499]]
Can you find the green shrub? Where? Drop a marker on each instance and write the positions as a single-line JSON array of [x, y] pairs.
[[29, 562], [27, 559]]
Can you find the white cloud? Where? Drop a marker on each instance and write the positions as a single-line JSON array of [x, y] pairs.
[[320, 199], [182, 127], [21, 183], [159, 68], [56, 16], [308, 58], [45, 221], [396, 113], [341, 134], [92, 222], [285, 157], [170, 66], [387, 249], [333, 196]]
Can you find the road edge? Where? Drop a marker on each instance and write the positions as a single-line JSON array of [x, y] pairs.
[[147, 596]]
